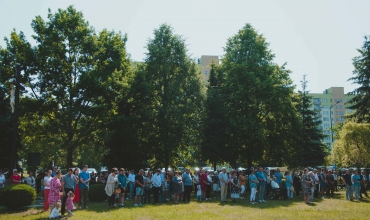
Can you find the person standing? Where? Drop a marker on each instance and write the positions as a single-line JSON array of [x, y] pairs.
[[157, 184], [288, 184], [356, 179], [84, 187], [55, 187], [364, 182], [268, 183], [148, 187], [330, 184], [139, 188], [46, 182], [310, 174], [306, 186], [188, 185], [253, 183], [40, 183], [262, 184], [235, 188], [216, 185], [335, 176], [110, 186], [68, 185], [15, 178], [122, 179], [224, 181], [348, 182], [297, 184], [30, 180], [279, 177], [203, 183], [317, 184], [131, 184], [323, 182], [76, 173], [177, 187], [196, 182], [53, 172], [2, 179], [209, 185]]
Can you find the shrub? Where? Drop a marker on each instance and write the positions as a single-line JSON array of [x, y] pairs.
[[16, 196], [97, 193]]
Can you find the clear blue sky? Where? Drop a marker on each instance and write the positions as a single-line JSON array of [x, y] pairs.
[[316, 37]]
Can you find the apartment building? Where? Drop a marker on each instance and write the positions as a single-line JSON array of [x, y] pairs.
[[332, 107]]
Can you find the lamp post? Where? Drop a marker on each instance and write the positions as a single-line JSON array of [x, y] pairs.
[[331, 123]]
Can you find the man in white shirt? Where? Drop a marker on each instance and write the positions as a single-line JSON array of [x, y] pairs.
[[224, 182], [131, 177], [30, 180], [157, 184]]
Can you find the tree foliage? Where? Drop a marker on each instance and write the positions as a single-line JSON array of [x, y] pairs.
[[177, 96], [259, 101], [361, 101], [214, 146], [352, 146], [311, 151]]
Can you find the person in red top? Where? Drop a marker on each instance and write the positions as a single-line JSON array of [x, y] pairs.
[[15, 178], [203, 183]]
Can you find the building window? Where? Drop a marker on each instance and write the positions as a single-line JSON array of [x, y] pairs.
[[325, 119], [340, 106], [341, 119], [206, 72], [326, 125], [331, 100], [325, 106], [340, 100], [324, 100], [340, 113], [325, 113]]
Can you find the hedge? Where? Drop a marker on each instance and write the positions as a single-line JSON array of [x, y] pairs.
[[97, 193], [16, 196]]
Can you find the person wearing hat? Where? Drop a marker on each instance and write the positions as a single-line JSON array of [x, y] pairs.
[[157, 183], [15, 178]]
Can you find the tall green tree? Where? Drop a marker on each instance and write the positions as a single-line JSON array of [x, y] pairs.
[[259, 100], [76, 77], [361, 101], [18, 51], [130, 127], [214, 146], [177, 94], [312, 151]]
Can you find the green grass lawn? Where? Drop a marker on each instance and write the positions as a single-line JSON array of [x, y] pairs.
[[334, 208]]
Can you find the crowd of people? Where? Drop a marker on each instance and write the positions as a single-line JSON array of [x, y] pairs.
[[63, 192]]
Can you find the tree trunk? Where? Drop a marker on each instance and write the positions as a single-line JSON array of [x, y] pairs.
[[166, 162], [69, 156], [249, 158]]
